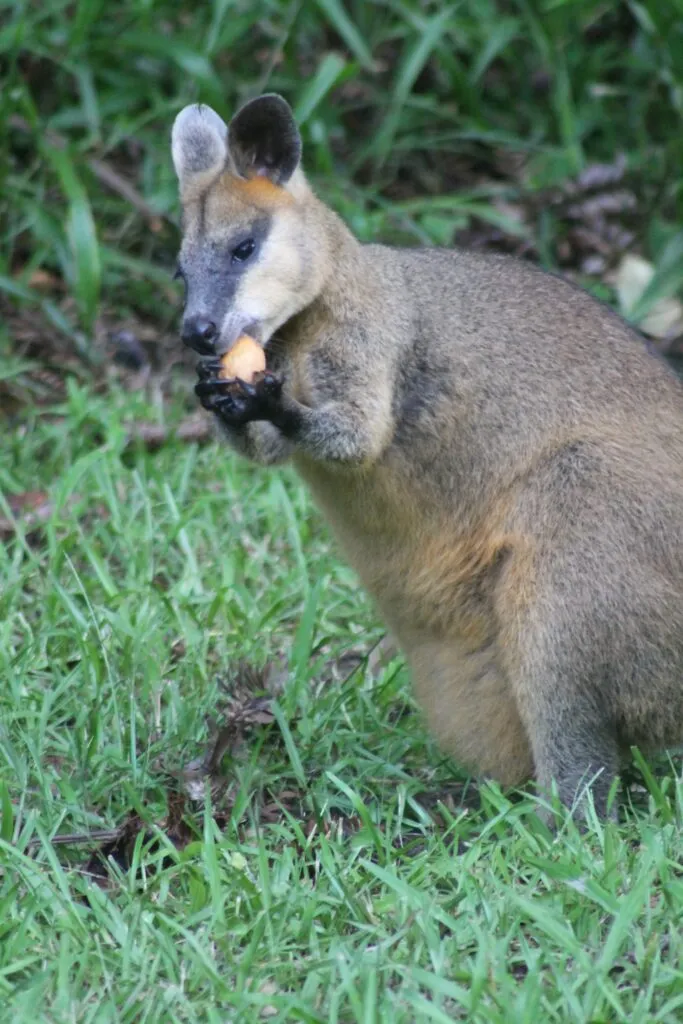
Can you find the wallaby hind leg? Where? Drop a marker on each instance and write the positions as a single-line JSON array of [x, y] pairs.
[[562, 646], [574, 745], [470, 709]]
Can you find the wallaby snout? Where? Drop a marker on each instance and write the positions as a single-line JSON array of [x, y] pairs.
[[199, 333]]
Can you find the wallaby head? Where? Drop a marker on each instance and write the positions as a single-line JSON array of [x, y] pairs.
[[251, 249]]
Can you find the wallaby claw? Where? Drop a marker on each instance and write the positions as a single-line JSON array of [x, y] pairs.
[[208, 369]]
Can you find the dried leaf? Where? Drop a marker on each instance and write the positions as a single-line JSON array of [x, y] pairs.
[[117, 846], [30, 510], [664, 319], [178, 649], [632, 278], [196, 429], [246, 706], [340, 668], [43, 281], [175, 826], [596, 207], [33, 500], [118, 849], [602, 175]]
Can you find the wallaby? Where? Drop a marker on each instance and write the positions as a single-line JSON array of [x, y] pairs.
[[497, 452]]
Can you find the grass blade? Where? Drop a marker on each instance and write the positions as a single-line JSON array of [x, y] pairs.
[[653, 787], [85, 271], [290, 745], [7, 819], [331, 67], [666, 280], [411, 66], [340, 21]]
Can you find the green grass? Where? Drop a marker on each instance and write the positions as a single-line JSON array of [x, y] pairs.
[[348, 873], [395, 907]]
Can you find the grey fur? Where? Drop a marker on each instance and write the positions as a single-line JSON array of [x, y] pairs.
[[198, 142]]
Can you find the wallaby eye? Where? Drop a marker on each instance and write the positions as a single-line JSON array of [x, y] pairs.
[[243, 251]]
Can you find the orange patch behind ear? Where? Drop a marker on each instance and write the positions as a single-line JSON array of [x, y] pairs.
[[262, 192]]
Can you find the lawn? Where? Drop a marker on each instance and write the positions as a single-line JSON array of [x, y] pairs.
[[217, 803], [342, 871]]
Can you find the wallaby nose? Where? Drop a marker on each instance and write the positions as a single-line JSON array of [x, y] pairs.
[[199, 333]]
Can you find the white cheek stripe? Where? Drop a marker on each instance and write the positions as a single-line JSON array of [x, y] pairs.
[[267, 297]]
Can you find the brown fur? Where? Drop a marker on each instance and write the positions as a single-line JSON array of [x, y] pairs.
[[501, 460]]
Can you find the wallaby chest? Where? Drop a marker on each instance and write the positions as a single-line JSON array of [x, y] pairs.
[[423, 571]]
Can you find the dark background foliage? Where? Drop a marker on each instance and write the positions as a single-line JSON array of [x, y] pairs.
[[478, 122]]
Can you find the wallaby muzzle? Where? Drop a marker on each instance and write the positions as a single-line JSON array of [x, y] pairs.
[[211, 322], [200, 334]]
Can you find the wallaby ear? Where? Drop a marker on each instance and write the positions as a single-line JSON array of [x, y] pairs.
[[263, 139], [198, 143]]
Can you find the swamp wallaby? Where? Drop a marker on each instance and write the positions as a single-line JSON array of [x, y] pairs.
[[498, 454]]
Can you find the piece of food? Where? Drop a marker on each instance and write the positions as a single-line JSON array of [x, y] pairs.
[[245, 359]]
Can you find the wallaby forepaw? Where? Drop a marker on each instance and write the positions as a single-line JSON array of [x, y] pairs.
[[270, 384], [236, 401]]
